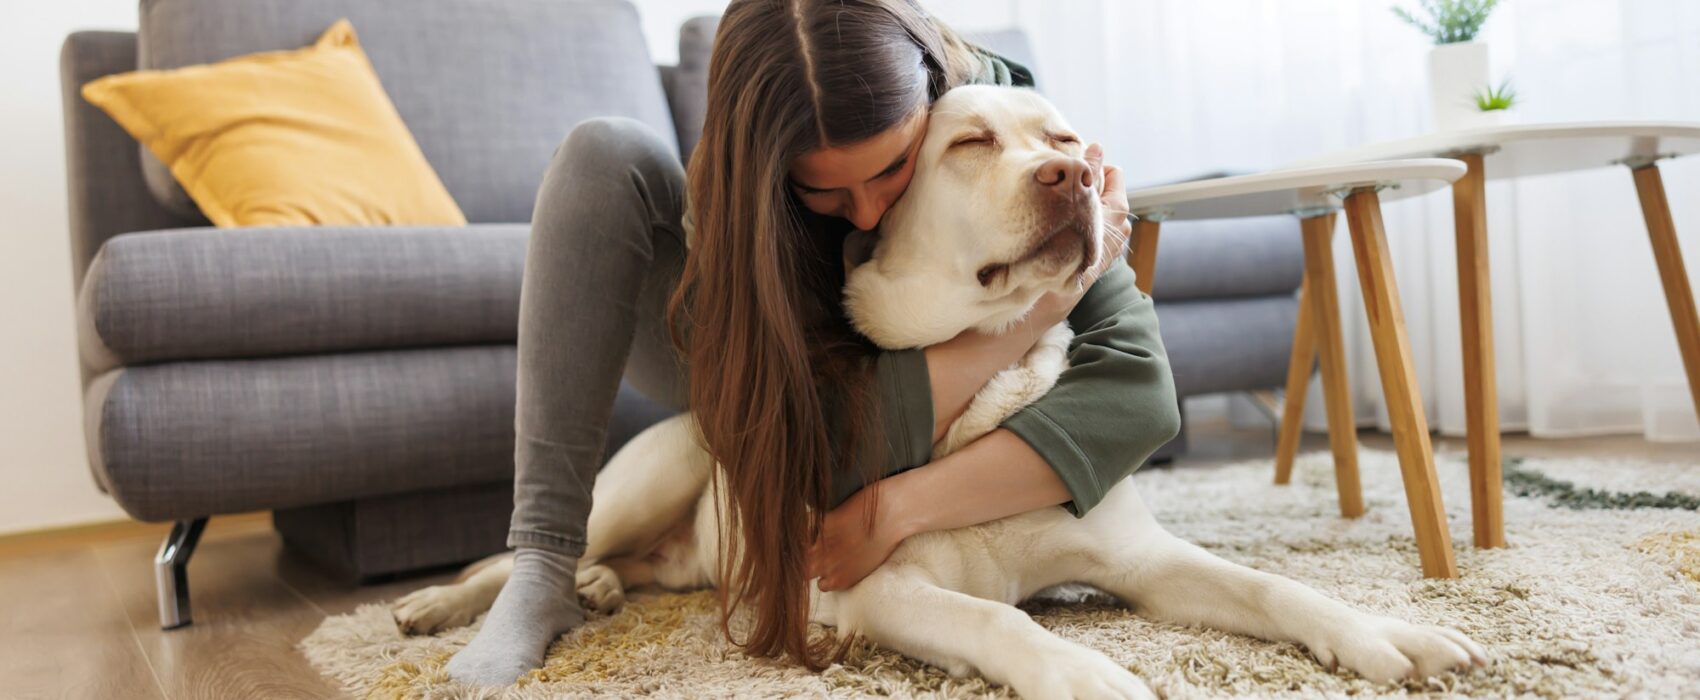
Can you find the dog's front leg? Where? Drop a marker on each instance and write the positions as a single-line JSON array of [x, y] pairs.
[[1173, 580], [899, 608], [436, 608]]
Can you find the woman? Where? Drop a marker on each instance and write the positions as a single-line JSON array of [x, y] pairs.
[[816, 109]]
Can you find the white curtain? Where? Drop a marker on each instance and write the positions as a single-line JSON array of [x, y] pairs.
[[1583, 339]]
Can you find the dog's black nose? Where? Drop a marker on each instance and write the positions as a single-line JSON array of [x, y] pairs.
[[1067, 176]]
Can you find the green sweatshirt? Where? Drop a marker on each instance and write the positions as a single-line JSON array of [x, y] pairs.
[[1112, 408]]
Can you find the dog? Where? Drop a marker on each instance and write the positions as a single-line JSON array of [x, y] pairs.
[[940, 266]]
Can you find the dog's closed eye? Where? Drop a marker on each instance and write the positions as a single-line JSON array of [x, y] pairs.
[[992, 273], [985, 138]]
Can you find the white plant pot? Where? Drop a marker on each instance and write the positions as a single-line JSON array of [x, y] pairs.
[[1455, 73]]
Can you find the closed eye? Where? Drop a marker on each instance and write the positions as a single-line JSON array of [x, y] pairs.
[[980, 139], [1065, 138], [991, 273]]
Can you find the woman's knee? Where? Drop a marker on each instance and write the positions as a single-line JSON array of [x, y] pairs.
[[608, 146]]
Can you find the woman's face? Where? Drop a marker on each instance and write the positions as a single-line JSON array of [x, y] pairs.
[[860, 181]]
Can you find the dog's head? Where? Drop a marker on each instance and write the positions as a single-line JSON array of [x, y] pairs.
[[1002, 209]]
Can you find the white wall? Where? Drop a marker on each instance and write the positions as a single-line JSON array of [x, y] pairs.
[[44, 479]]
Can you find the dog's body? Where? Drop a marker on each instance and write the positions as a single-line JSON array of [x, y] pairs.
[[947, 597]]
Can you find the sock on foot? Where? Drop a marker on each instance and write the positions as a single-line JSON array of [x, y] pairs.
[[538, 604]]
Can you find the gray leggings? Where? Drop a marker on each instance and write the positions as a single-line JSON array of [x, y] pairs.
[[605, 253]]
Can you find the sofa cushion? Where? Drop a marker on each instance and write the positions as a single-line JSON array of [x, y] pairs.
[[1228, 344], [216, 293], [489, 89], [1227, 258], [185, 439], [196, 438]]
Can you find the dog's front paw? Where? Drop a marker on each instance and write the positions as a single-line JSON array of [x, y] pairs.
[[1385, 649], [1078, 673], [429, 610], [600, 588]]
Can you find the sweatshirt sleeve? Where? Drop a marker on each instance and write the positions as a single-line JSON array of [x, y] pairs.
[[1115, 404], [902, 436]]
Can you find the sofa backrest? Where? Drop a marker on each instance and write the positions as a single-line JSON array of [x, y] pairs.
[[489, 89]]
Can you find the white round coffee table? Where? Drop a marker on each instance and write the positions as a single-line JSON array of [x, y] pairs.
[[1537, 149], [1314, 195]]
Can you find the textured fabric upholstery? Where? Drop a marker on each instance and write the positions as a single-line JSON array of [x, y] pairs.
[[209, 293], [102, 170], [1235, 344], [224, 436], [1228, 258], [181, 439], [487, 88], [359, 541]]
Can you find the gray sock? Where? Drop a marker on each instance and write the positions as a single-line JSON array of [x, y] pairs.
[[538, 604]]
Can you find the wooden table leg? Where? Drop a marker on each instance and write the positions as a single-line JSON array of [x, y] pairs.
[[1318, 232], [1399, 384], [1299, 364], [1678, 295], [1142, 254], [1481, 391]]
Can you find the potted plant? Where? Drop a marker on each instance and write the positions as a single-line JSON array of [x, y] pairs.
[[1495, 100], [1458, 64]]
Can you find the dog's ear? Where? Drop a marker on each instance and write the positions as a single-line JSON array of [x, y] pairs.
[[859, 248]]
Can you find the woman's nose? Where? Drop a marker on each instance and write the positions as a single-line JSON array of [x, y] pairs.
[[865, 211]]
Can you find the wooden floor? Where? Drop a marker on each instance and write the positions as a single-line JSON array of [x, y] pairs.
[[78, 619]]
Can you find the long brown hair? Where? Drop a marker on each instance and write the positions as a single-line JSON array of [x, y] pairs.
[[759, 296]]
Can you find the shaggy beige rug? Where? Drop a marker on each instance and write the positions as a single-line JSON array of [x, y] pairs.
[[1598, 595]]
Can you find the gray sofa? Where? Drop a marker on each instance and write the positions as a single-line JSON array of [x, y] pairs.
[[359, 382]]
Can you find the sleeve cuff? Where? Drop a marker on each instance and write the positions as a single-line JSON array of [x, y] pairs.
[[1066, 458]]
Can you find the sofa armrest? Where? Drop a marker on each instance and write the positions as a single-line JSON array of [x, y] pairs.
[[107, 194]]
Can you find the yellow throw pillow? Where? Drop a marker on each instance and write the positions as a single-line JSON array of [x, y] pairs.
[[283, 138]]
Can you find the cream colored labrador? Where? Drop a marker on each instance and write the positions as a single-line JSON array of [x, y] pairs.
[[1002, 209]]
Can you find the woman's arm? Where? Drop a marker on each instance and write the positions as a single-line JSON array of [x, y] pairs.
[[922, 392], [958, 368], [1109, 411]]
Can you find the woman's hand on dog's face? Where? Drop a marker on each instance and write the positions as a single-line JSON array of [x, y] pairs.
[[849, 548], [1118, 229]]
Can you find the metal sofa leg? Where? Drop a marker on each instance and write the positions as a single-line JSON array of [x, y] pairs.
[[171, 572]]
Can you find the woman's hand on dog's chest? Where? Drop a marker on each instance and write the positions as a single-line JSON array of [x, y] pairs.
[[850, 547]]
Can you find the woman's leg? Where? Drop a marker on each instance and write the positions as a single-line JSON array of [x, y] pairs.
[[605, 251]]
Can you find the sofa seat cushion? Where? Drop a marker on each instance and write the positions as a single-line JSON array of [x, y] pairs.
[[185, 439], [1228, 344], [199, 438], [1226, 258], [205, 293]]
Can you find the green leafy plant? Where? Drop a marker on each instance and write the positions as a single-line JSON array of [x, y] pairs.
[[1449, 21], [1490, 98]]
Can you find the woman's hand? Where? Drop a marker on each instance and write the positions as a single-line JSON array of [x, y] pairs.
[[849, 548], [1117, 229]]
